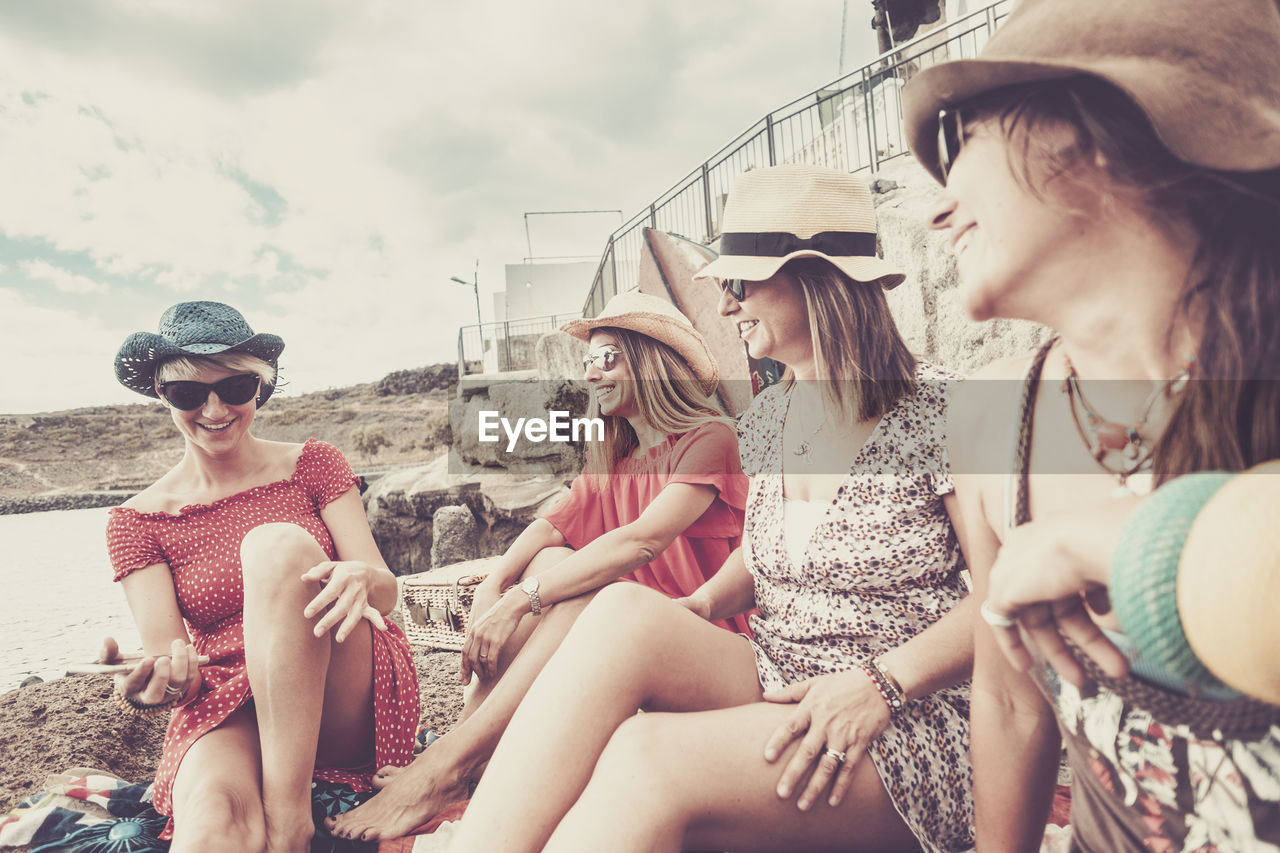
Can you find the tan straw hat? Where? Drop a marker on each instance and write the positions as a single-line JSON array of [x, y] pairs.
[[796, 211], [658, 319], [1205, 72]]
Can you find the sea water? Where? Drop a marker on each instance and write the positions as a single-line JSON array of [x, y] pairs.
[[57, 600]]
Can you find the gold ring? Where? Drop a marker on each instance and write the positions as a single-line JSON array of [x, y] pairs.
[[995, 619], [836, 754], [170, 690]]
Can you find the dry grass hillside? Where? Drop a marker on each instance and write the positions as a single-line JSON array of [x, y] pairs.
[[401, 419]]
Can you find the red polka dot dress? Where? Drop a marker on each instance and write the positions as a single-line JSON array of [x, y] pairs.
[[201, 545]]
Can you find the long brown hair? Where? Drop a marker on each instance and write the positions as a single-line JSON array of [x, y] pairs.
[[858, 352], [1229, 417], [667, 392]]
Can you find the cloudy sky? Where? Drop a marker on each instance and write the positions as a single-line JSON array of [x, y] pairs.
[[327, 165]]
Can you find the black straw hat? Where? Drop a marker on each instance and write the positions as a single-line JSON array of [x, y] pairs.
[[192, 329]]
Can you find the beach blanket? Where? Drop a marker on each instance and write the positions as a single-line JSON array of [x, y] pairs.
[[91, 811]]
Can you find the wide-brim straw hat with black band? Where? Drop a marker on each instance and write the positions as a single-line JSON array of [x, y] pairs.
[[658, 319], [192, 329], [777, 214], [1206, 73]]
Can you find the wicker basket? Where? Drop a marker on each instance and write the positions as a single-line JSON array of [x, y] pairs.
[[436, 604]]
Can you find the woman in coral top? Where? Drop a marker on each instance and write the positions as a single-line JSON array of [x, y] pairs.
[[255, 554], [660, 503]]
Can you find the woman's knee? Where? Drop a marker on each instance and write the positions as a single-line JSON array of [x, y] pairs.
[[278, 551], [545, 559], [637, 764]]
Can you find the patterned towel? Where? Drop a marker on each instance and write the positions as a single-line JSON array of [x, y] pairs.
[[91, 811]]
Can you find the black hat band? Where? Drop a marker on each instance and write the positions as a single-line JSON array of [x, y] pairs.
[[778, 244]]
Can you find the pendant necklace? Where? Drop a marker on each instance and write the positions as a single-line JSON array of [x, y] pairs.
[[1102, 436], [805, 448]]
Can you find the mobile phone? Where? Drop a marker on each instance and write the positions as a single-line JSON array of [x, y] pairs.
[[123, 666]]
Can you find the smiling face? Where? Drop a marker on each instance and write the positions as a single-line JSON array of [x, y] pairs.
[[772, 319], [613, 389], [1018, 251], [214, 427]]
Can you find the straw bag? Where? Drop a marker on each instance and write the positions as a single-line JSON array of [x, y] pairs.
[[436, 604]]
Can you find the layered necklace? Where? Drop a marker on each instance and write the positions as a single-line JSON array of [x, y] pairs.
[[1102, 436]]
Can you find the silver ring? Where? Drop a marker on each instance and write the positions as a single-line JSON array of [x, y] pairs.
[[995, 619], [836, 754], [170, 690], [483, 655]]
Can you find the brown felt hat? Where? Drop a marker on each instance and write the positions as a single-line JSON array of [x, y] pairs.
[[1206, 73], [658, 319], [776, 214]]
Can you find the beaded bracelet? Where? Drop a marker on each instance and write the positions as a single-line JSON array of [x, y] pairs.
[[1144, 576], [140, 709], [886, 685]]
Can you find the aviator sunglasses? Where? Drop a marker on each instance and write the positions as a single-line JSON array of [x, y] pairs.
[[950, 139], [603, 359], [736, 287], [234, 391]]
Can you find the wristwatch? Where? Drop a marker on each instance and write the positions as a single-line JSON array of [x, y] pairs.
[[530, 587]]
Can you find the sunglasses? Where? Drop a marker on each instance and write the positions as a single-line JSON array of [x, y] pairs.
[[603, 359], [950, 138], [736, 287], [234, 391]]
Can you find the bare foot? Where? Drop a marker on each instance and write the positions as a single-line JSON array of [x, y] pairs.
[[384, 776], [408, 799]]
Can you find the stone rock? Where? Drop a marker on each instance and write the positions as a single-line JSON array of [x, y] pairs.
[[514, 398], [559, 356], [883, 185], [454, 536], [401, 507]]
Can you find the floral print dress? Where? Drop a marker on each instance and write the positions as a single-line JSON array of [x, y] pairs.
[[883, 565]]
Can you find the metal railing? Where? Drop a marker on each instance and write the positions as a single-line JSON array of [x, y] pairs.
[[507, 345], [854, 124]]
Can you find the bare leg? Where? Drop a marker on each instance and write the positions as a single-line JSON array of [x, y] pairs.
[[303, 686], [217, 805], [440, 775], [480, 688], [669, 782], [632, 648]]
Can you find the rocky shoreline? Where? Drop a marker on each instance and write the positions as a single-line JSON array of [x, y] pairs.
[[62, 500]]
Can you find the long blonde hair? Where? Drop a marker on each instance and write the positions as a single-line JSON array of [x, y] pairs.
[[858, 351], [667, 394]]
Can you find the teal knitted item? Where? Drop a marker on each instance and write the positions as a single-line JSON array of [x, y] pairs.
[[1144, 576]]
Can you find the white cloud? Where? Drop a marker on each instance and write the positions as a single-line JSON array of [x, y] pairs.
[[63, 280], [327, 166]]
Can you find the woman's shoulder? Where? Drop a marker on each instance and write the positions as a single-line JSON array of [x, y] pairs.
[[711, 431]]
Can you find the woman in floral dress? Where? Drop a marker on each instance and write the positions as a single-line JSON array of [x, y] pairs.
[[842, 726], [1111, 170], [257, 555]]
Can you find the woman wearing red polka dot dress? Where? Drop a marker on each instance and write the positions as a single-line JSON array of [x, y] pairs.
[[257, 555]]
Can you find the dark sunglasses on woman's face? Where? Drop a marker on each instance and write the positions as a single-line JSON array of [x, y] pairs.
[[234, 391], [736, 287], [950, 139], [603, 359]]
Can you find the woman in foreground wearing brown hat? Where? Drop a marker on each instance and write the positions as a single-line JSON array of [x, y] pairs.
[[257, 555], [843, 725], [660, 503], [1110, 170]]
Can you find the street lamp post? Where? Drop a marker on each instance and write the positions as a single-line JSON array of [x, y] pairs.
[[474, 284]]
